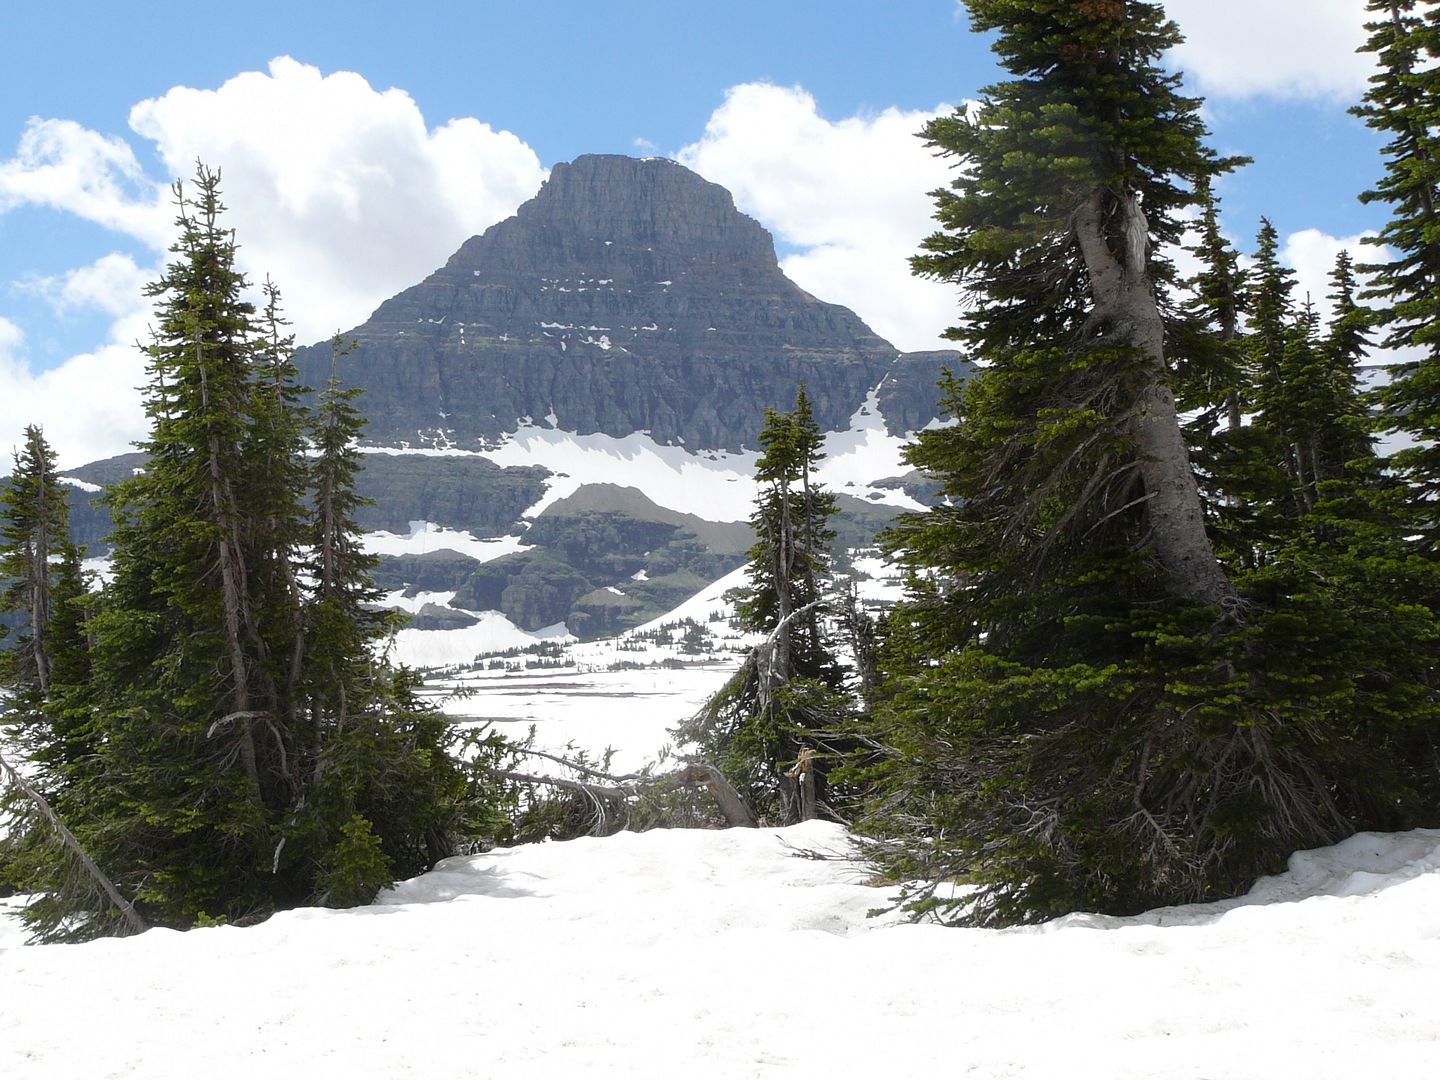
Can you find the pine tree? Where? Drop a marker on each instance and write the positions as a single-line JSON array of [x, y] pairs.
[[1086, 708], [276, 454], [33, 538], [1066, 194], [771, 729], [387, 796], [197, 762], [1403, 102], [49, 593], [790, 561]]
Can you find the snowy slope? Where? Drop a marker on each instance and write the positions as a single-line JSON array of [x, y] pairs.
[[719, 954]]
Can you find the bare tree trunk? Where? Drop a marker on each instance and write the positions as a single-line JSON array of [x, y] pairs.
[[1125, 303], [803, 777]]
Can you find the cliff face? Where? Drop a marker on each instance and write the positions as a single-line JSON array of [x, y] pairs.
[[628, 295]]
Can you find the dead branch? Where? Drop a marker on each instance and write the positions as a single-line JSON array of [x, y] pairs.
[[699, 774], [67, 838]]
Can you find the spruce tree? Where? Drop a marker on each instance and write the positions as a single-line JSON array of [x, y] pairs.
[[1403, 102], [771, 729], [34, 536], [198, 764], [1086, 708], [229, 739], [48, 594]]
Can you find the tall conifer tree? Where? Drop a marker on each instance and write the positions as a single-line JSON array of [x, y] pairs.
[[763, 729], [1088, 709], [1403, 102]]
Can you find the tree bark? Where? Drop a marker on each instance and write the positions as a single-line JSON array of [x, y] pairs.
[[1125, 304]]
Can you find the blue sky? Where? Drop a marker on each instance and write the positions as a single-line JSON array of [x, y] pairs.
[[363, 142]]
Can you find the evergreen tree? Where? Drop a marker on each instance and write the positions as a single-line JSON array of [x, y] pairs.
[[1215, 383], [1211, 369], [240, 745], [198, 763], [771, 729], [1403, 102], [790, 561], [279, 472], [48, 593], [1085, 707], [383, 778], [34, 537]]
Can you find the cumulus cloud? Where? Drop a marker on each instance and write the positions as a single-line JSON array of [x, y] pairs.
[[87, 406], [850, 195], [1311, 253], [63, 166], [342, 193], [339, 191], [113, 285], [1279, 48]]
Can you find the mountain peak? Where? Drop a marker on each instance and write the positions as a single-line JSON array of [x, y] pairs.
[[647, 201], [628, 295]]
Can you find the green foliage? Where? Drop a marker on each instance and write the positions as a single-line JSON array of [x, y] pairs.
[[783, 711], [355, 868], [1403, 103], [1063, 727], [222, 736], [790, 560]]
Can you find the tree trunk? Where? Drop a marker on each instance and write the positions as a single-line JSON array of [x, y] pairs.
[[1125, 303], [232, 594]]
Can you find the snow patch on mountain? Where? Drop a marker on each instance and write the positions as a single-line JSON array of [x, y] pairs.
[[447, 648], [426, 536], [865, 453], [715, 485]]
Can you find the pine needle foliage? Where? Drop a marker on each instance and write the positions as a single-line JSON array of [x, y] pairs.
[[221, 734], [776, 720], [1090, 703]]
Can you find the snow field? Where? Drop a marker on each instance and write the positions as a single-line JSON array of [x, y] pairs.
[[721, 954]]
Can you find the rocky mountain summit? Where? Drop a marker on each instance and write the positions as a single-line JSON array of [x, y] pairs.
[[628, 295], [562, 419]]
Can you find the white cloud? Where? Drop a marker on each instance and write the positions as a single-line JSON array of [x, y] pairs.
[[88, 406], [113, 284], [851, 194], [1279, 48], [339, 192], [63, 166], [1311, 253]]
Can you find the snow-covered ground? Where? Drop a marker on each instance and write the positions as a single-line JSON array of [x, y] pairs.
[[623, 693], [698, 954]]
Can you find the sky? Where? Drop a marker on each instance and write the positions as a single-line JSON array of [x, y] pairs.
[[361, 143]]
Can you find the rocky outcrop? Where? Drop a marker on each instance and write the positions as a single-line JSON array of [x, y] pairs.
[[628, 295]]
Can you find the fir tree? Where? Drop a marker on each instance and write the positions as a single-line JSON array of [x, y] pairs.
[[1403, 102], [248, 749], [771, 729], [33, 538], [1085, 707]]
